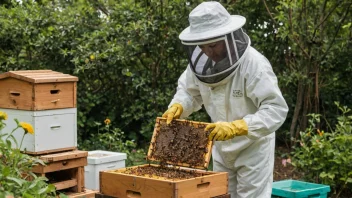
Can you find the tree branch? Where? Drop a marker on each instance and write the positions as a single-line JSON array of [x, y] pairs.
[[294, 37], [267, 9], [336, 32], [322, 21]]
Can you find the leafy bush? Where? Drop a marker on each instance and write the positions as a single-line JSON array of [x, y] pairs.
[[16, 178], [126, 55], [325, 157], [112, 139]]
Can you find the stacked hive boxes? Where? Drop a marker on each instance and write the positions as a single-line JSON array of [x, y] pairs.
[[47, 100]]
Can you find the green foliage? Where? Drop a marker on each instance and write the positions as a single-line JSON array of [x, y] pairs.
[[325, 157], [16, 177], [112, 139], [313, 39], [128, 57]]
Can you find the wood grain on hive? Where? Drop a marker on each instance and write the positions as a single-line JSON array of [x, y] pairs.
[[64, 170], [37, 90], [207, 184]]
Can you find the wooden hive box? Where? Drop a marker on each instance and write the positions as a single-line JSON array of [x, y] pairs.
[[64, 170], [174, 145], [37, 90]]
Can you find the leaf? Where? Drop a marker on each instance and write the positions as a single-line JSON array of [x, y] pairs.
[[41, 179], [43, 190], [27, 195], [6, 171], [51, 188], [17, 180], [323, 175], [51, 28], [3, 135], [13, 139], [9, 144], [63, 195], [331, 175], [37, 181]]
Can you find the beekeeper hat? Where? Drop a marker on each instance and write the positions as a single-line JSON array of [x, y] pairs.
[[209, 20]]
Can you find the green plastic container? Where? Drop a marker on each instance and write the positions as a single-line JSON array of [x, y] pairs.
[[299, 189]]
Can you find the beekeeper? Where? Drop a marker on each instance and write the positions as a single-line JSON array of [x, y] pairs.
[[239, 90]]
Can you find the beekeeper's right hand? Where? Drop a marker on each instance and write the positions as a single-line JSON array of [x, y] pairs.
[[174, 112]]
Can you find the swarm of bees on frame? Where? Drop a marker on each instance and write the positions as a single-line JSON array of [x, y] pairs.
[[179, 143], [162, 172]]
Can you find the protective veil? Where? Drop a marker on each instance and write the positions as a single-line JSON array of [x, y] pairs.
[[246, 88], [210, 71]]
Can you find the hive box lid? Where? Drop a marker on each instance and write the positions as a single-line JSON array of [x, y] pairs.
[[182, 143], [100, 157], [39, 76]]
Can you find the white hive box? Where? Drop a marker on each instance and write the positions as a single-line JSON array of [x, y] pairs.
[[100, 161], [54, 130]]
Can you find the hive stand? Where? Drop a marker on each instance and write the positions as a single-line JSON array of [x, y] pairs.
[[64, 170]]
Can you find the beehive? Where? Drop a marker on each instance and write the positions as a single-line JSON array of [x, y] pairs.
[[37, 90], [205, 184], [121, 185]]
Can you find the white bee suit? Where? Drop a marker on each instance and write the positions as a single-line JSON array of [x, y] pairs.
[[251, 93], [233, 81]]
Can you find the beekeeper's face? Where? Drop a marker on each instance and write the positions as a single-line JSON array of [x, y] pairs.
[[216, 51]]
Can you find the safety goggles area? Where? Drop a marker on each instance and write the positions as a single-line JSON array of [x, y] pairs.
[[214, 59]]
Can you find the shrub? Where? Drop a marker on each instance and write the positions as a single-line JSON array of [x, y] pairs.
[[16, 178], [113, 139], [325, 157]]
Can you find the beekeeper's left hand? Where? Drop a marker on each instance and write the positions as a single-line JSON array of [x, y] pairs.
[[226, 130]]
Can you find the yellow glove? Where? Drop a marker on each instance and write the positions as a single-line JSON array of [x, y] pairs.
[[227, 130], [174, 112]]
